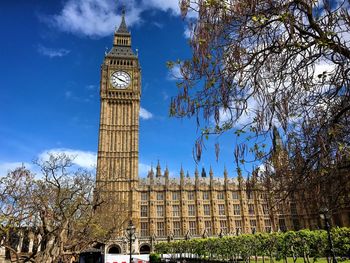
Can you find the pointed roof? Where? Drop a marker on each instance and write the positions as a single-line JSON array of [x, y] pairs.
[[158, 172], [150, 172], [181, 172], [166, 172], [204, 173], [122, 27], [276, 139], [122, 49]]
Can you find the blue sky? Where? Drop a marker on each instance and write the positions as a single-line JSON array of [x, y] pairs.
[[51, 52]]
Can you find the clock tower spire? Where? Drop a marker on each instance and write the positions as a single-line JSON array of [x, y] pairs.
[[122, 36], [118, 144]]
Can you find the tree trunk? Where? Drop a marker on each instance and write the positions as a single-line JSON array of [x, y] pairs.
[[304, 257]]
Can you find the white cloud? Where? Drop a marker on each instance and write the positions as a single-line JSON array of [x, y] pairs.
[[174, 73], [145, 114], [52, 52], [144, 169], [172, 5], [9, 166], [84, 159], [244, 119], [98, 18], [323, 68], [94, 18], [188, 32]]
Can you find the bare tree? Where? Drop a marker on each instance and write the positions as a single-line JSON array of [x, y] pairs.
[[262, 64], [61, 205]]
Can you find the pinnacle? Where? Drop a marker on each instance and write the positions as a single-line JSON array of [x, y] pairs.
[[122, 27]]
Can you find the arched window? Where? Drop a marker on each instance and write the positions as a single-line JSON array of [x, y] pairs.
[[115, 249], [145, 249]]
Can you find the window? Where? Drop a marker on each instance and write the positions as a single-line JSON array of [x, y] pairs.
[[205, 195], [207, 225], [236, 210], [221, 210], [267, 223], [238, 224], [235, 195], [144, 229], [251, 209], [253, 225], [175, 196], [160, 229], [176, 210], [177, 228], [144, 196], [160, 210], [220, 195], [206, 210], [265, 209], [193, 228], [144, 211], [223, 226], [282, 224], [293, 208], [296, 223], [280, 208], [264, 196], [191, 210], [249, 194], [190, 195], [160, 196]]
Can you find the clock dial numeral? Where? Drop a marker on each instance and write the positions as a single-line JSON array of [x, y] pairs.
[[120, 79]]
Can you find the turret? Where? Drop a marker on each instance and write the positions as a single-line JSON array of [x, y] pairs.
[[196, 177], [225, 176], [166, 175], [182, 176], [122, 36], [211, 174], [151, 175], [158, 171], [276, 140], [204, 173]]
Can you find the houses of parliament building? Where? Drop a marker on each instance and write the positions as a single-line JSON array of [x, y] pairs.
[[164, 208]]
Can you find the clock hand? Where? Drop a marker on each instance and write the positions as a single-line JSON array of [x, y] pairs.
[[121, 80]]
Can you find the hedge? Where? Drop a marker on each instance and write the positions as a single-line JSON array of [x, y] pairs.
[[304, 244]]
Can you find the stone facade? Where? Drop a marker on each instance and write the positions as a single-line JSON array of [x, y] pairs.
[[164, 208]]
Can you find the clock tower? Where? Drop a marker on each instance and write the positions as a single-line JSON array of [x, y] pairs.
[[120, 91]]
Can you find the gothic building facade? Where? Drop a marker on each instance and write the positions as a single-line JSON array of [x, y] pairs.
[[164, 208]]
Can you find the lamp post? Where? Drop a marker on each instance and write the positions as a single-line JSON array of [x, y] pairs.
[[324, 214], [130, 235]]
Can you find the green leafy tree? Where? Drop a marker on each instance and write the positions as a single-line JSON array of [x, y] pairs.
[[304, 244], [341, 240]]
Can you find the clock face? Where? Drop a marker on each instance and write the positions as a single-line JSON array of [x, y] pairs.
[[120, 79]]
